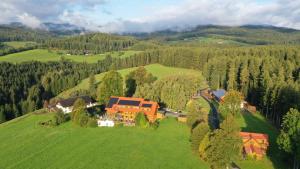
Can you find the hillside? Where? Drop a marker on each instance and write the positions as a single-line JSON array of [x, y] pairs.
[[156, 69], [28, 145], [21, 33], [249, 34]]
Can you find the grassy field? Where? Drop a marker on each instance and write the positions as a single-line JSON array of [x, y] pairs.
[[156, 69], [19, 44], [257, 123], [25, 144], [44, 55], [206, 41]]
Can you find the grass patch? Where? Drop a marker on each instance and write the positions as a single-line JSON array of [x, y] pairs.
[[207, 41], [204, 104], [44, 55], [25, 144], [156, 69], [19, 44]]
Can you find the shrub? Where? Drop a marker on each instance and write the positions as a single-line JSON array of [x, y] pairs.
[[141, 120], [92, 123], [59, 118], [198, 133], [155, 124]]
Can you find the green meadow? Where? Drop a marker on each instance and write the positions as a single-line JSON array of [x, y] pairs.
[[206, 41], [44, 55], [25, 144], [19, 44], [156, 69]]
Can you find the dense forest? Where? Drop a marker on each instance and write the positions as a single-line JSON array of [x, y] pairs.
[[14, 33], [90, 43]]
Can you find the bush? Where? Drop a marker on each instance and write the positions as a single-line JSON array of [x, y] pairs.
[[83, 119], [92, 123], [59, 118], [198, 133], [141, 120], [155, 124]]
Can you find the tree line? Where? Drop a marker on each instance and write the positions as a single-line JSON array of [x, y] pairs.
[[90, 44], [5, 49], [267, 77]]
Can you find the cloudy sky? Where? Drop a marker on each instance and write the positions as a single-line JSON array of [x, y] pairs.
[[150, 15]]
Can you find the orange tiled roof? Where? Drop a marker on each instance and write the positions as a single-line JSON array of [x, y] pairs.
[[257, 147], [247, 135], [134, 105]]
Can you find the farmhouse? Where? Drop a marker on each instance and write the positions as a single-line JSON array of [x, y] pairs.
[[255, 144], [66, 105], [126, 108]]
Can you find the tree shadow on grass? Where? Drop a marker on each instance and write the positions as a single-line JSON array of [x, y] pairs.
[[256, 123]]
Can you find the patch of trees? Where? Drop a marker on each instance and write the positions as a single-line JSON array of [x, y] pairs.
[[138, 77], [91, 43], [173, 91], [5, 49], [111, 85], [11, 33], [222, 146], [267, 77], [289, 138], [25, 87]]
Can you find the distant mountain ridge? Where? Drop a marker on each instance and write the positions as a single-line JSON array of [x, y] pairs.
[[249, 34]]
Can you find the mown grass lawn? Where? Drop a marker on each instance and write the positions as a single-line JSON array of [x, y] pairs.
[[157, 70], [19, 44], [24, 144], [250, 122], [44, 55]]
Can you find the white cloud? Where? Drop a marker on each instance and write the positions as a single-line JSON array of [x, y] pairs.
[[29, 20], [189, 13], [284, 13]]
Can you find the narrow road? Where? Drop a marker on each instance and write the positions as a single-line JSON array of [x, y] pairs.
[[215, 114]]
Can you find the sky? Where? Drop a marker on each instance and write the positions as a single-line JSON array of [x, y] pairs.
[[117, 16]]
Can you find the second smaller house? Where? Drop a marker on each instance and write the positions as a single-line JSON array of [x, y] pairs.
[[219, 94], [66, 105], [182, 118], [255, 144]]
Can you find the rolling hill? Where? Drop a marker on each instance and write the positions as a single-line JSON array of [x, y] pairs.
[[248, 34], [156, 69]]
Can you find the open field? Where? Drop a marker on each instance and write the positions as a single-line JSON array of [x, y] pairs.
[[25, 144], [206, 41], [257, 123], [156, 69], [19, 44], [44, 55]]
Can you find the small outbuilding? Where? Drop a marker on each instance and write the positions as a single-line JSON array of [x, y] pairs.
[[219, 94], [105, 123], [182, 118]]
